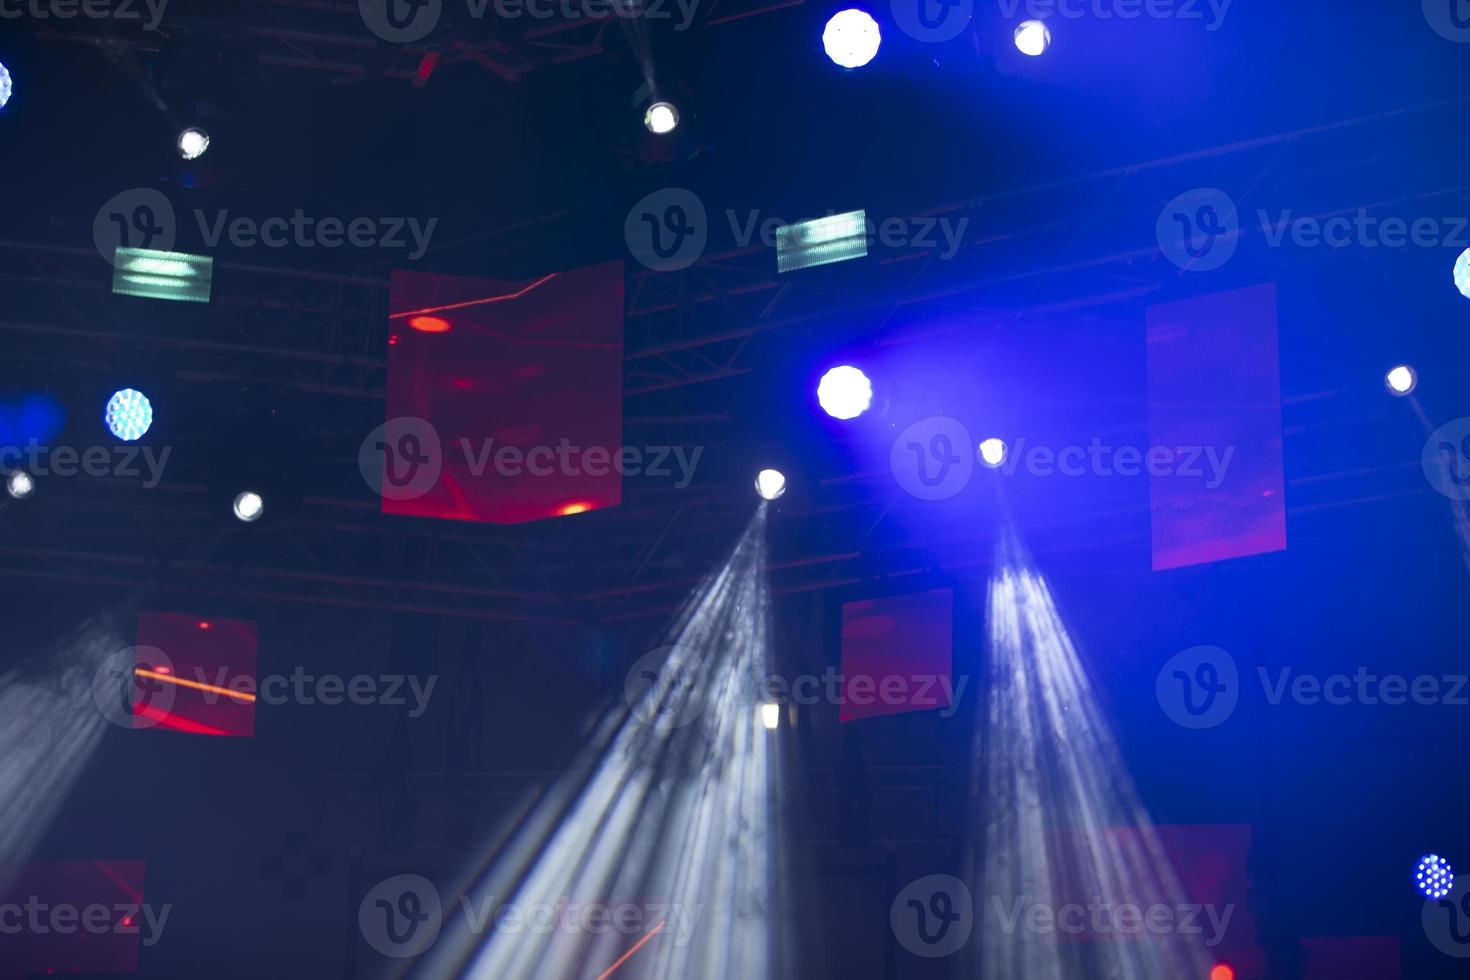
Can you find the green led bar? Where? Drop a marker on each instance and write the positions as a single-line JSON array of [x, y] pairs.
[[162, 275], [822, 241]]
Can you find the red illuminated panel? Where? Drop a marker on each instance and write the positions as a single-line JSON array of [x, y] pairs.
[[64, 917], [206, 682], [1214, 406], [521, 384], [897, 654]]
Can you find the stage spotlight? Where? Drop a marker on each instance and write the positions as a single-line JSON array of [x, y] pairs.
[[20, 485], [192, 143], [852, 38], [770, 484], [249, 506], [1033, 38], [771, 716], [1434, 877], [993, 452], [128, 415], [845, 392], [661, 118], [5, 86], [1402, 380], [1462, 273], [1222, 971], [429, 324]]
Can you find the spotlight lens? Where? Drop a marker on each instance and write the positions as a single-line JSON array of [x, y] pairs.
[[1033, 38], [249, 506], [129, 414], [993, 452], [192, 143], [1462, 272], [661, 118], [770, 484], [5, 86], [771, 716], [851, 38], [1434, 877], [845, 392], [20, 485], [1402, 380]]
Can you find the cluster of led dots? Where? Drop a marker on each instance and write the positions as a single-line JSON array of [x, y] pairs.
[[1434, 877]]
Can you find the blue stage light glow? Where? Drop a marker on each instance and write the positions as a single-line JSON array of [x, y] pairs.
[[129, 414], [851, 38], [1462, 273], [1434, 877], [7, 86], [845, 392]]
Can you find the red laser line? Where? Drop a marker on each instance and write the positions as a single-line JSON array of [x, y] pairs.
[[476, 302], [636, 947], [209, 688]]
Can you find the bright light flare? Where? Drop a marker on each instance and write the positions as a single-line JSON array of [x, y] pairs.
[[770, 484], [6, 86], [192, 143], [1033, 37], [129, 414], [20, 485], [1402, 380], [249, 506], [993, 452], [1434, 877], [771, 716], [852, 38], [661, 118], [845, 392], [1462, 273]]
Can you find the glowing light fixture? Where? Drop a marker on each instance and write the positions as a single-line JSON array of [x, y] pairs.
[[770, 484], [845, 392], [661, 118], [192, 143], [993, 452], [1434, 877], [129, 414], [822, 241], [20, 485], [1402, 380], [162, 275], [249, 506], [1033, 37], [852, 38], [6, 86], [1462, 273], [771, 716], [429, 324]]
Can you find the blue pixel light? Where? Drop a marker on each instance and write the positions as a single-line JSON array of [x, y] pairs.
[[1434, 877], [1462, 273], [129, 414], [6, 86]]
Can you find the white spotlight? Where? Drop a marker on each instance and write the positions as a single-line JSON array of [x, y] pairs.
[[6, 86], [1033, 38], [852, 38], [249, 506], [770, 484], [661, 118], [845, 392], [1462, 273], [20, 485], [1402, 380], [771, 715], [993, 452], [192, 143]]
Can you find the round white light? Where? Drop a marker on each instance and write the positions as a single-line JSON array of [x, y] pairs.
[[249, 506], [192, 143], [1462, 273], [1401, 380], [770, 484], [6, 86], [661, 118], [771, 716], [845, 392], [851, 38], [20, 485], [993, 452], [1033, 38], [129, 414]]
